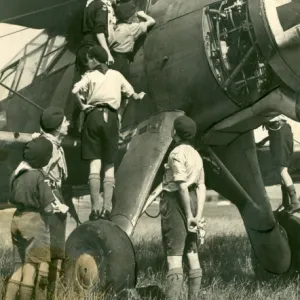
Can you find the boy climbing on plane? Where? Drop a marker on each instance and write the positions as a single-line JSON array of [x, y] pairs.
[[99, 96]]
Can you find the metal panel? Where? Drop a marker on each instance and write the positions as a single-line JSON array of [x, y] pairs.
[[144, 156]]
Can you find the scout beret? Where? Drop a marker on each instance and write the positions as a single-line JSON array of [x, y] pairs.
[[51, 118], [185, 127], [98, 53], [38, 152], [125, 10]]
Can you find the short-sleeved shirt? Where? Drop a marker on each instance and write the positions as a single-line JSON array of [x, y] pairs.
[[184, 165], [99, 88], [31, 190], [125, 36], [98, 17]]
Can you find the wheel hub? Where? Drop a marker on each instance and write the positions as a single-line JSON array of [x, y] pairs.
[[87, 271]]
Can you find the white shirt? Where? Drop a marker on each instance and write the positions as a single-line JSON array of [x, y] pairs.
[[185, 165], [98, 88], [279, 118], [125, 36]]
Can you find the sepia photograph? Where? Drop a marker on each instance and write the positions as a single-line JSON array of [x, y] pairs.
[[150, 149]]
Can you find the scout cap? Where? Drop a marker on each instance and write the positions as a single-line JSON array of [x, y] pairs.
[[124, 11], [185, 128], [51, 118], [38, 152], [98, 53]]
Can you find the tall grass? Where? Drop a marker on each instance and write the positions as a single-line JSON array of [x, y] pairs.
[[225, 259]]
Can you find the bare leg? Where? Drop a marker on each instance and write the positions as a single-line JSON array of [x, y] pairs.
[[94, 183], [174, 277], [195, 275], [288, 182]]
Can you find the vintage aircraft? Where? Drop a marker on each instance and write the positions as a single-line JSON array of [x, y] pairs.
[[231, 65]]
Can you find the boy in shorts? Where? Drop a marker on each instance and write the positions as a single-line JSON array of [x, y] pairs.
[[32, 195], [281, 140], [181, 208], [99, 95]]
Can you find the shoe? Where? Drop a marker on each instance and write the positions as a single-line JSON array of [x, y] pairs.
[[105, 214], [94, 215], [293, 208]]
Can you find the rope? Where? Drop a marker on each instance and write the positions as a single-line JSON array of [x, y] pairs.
[[36, 11], [152, 217], [21, 96]]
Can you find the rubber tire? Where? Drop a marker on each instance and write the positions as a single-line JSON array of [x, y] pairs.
[[113, 252], [263, 275]]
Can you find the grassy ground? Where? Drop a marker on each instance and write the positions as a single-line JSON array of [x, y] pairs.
[[225, 260]]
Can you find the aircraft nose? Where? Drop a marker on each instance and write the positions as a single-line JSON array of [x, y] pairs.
[[277, 27]]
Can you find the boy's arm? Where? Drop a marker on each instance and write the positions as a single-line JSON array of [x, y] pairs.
[[102, 41], [46, 196], [149, 21], [186, 203], [100, 29], [78, 87], [179, 176], [127, 89], [48, 201], [263, 141], [201, 196]]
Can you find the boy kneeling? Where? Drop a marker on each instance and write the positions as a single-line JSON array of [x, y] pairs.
[[32, 195], [181, 209]]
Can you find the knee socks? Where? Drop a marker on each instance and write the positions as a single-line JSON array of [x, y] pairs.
[[94, 183], [108, 190], [174, 283], [12, 289], [42, 282], [26, 291], [195, 277]]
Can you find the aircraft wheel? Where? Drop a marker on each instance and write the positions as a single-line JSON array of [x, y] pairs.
[[262, 274], [99, 258]]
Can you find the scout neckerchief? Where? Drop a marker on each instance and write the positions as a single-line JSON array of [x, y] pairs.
[[61, 161]]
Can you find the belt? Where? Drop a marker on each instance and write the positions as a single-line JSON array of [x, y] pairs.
[[102, 107]]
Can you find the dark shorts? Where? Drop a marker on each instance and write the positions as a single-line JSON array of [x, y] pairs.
[[281, 145], [177, 240], [57, 225], [30, 238], [121, 64], [99, 139]]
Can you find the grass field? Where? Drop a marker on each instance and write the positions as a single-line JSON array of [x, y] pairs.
[[225, 259]]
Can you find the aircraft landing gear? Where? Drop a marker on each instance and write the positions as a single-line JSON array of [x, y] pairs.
[[290, 225], [99, 258]]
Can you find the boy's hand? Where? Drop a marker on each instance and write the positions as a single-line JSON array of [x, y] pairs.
[[138, 96], [192, 224], [140, 14], [86, 107], [111, 60]]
